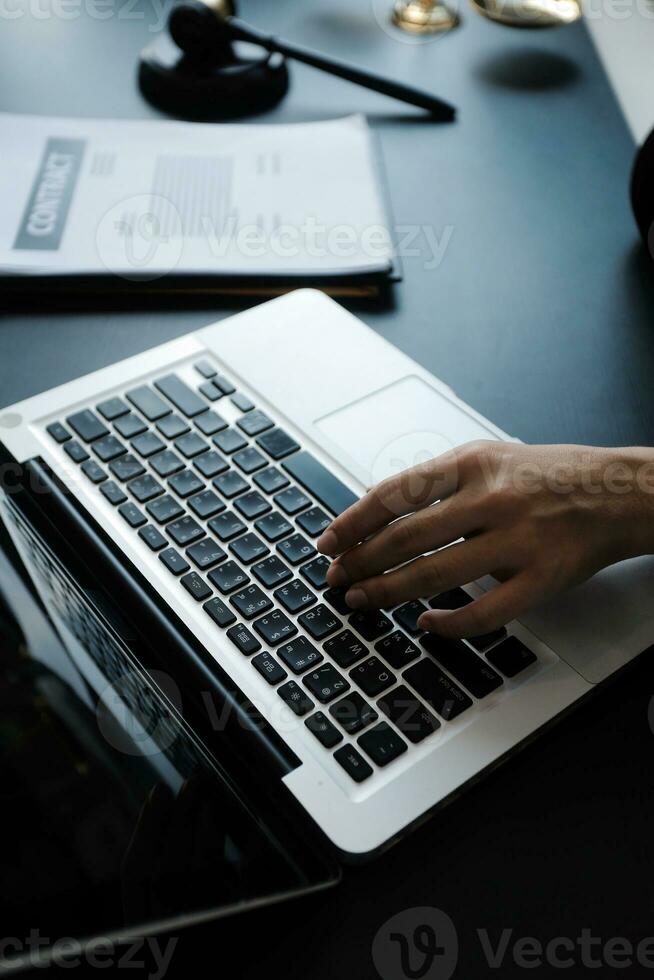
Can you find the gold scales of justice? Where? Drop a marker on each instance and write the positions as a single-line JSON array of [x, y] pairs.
[[436, 16]]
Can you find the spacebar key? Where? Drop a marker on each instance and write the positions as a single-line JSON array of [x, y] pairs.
[[182, 397], [317, 479]]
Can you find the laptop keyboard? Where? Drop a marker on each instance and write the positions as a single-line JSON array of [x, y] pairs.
[[232, 511]]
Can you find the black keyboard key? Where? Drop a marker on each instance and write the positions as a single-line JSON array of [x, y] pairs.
[[228, 577], [183, 398], [296, 549], [76, 451], [408, 714], [152, 537], [166, 463], [372, 677], [316, 571], [353, 763], [230, 484], [434, 687], [113, 493], [205, 554], [205, 368], [229, 441], [452, 599], [185, 483], [326, 733], [93, 472], [269, 668], [145, 488], [244, 640], [275, 628], [295, 596], [148, 403], [205, 504], [371, 624], [147, 444], [242, 402], [108, 448], [249, 460], [112, 408], [248, 548], [196, 586], [314, 521], [191, 445], [210, 464], [133, 516], [325, 683], [464, 665], [164, 509], [316, 478], [336, 599], [210, 391], [129, 426], [224, 384], [184, 531], [397, 650], [254, 423], [210, 422], [273, 526], [126, 468], [299, 655], [382, 744], [227, 526], [271, 571], [251, 602], [277, 443], [271, 480], [252, 505], [221, 614], [320, 622], [407, 616], [345, 648], [174, 561], [172, 426], [511, 656], [292, 500], [87, 425], [297, 700], [58, 432], [353, 713], [487, 640]]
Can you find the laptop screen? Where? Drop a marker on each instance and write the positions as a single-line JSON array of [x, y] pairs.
[[118, 819]]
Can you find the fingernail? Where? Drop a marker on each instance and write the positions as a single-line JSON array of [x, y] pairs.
[[336, 576], [356, 598], [326, 543], [425, 621]]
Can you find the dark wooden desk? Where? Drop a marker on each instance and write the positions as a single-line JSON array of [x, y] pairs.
[[540, 315]]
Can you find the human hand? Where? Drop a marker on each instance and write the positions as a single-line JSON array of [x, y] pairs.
[[538, 518]]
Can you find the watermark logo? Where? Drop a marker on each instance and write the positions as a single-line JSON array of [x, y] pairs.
[[132, 717], [425, 465], [140, 238], [417, 944]]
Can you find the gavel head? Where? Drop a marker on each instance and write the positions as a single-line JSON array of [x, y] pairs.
[[199, 28]]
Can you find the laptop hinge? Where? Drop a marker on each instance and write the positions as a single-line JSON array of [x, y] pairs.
[[143, 611]]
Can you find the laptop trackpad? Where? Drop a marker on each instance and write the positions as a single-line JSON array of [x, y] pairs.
[[399, 426]]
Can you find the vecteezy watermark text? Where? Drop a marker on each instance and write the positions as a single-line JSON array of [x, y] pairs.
[[36, 950], [423, 944]]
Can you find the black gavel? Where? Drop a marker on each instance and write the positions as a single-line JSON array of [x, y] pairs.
[[205, 29]]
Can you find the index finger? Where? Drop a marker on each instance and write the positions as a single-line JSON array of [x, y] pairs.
[[409, 491]]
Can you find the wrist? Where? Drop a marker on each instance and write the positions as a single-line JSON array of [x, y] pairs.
[[629, 487]]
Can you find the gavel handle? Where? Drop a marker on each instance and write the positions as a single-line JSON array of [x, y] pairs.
[[405, 93]]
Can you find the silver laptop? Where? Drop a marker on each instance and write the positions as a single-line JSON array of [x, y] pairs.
[[208, 466]]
